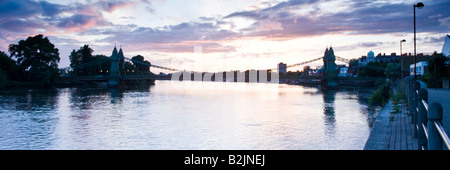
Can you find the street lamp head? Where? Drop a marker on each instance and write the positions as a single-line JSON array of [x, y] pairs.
[[403, 40], [419, 5]]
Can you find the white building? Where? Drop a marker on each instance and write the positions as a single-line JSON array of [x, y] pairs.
[[343, 72], [421, 67], [364, 60], [446, 47]]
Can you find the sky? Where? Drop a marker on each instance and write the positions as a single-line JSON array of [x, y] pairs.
[[222, 35]]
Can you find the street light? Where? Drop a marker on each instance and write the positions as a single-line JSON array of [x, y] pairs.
[[401, 58], [402, 41], [419, 5]]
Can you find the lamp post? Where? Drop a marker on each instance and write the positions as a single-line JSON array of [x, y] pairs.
[[401, 58], [420, 6], [402, 41]]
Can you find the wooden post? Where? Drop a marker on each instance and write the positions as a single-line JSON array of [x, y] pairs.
[[435, 113], [422, 118]]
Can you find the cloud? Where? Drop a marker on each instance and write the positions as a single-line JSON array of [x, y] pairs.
[[439, 39], [22, 9], [20, 25], [174, 38], [254, 14], [372, 44], [279, 21], [111, 6], [78, 22], [267, 20], [50, 10], [29, 16], [360, 17], [445, 22]]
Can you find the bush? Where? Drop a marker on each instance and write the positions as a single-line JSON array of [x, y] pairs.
[[380, 96]]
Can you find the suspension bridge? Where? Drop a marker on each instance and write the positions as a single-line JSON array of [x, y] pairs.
[[116, 74]]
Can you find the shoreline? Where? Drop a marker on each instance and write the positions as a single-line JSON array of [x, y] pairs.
[[377, 137]]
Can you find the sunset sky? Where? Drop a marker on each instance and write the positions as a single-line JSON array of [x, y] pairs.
[[233, 34]]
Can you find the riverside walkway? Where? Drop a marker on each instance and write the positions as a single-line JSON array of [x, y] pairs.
[[394, 131]]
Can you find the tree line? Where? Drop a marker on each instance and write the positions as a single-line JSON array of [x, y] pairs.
[[33, 62], [100, 64]]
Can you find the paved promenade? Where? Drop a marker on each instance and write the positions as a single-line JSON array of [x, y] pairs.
[[394, 131]]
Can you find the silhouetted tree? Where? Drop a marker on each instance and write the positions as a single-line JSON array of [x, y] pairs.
[[142, 65], [8, 69], [102, 66], [373, 69], [393, 71], [80, 57], [129, 69], [435, 71], [6, 63], [38, 57]]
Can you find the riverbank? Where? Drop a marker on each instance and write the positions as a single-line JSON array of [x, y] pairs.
[[14, 85]]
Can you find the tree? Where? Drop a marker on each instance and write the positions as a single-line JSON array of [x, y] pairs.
[[6, 62], [129, 69], [353, 63], [8, 69], [80, 57], [104, 64], [142, 65], [436, 70], [373, 69], [393, 71], [38, 57]]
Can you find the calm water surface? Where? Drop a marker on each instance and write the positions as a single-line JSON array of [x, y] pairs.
[[186, 115]]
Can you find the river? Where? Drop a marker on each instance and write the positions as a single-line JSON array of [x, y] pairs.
[[186, 115]]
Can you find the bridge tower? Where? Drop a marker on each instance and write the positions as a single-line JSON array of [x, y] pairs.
[[113, 80], [121, 60], [329, 67]]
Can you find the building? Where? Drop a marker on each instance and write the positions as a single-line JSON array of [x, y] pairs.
[[405, 59], [366, 59], [421, 67], [381, 58], [282, 68], [64, 72], [408, 60], [446, 47], [315, 72], [343, 72], [387, 58]]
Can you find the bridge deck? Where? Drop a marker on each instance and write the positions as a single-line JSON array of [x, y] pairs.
[[105, 78]]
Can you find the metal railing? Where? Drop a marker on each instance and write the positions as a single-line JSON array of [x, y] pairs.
[[427, 118]]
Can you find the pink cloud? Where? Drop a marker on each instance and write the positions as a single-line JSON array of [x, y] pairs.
[[112, 6]]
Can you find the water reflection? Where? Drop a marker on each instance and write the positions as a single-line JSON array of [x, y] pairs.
[[115, 95], [161, 117], [27, 118], [329, 97]]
